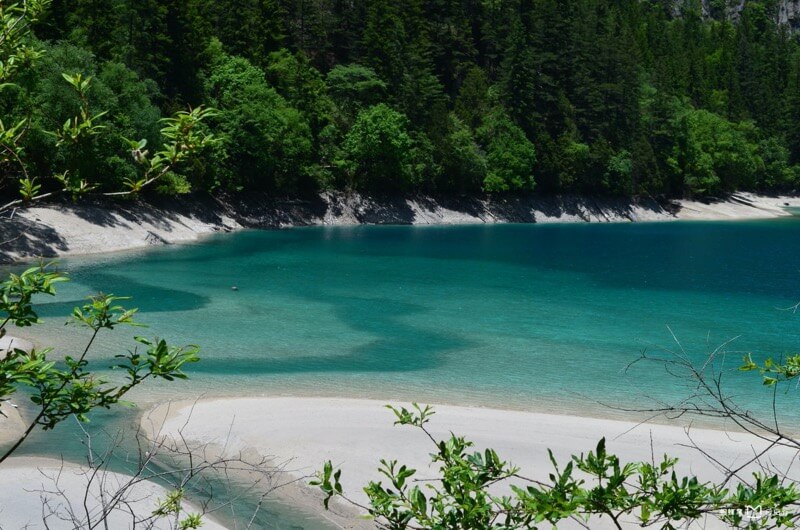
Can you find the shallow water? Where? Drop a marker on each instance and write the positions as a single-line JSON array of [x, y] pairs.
[[539, 317]]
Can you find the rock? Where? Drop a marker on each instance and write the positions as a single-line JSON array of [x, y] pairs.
[[7, 343], [784, 12], [11, 424]]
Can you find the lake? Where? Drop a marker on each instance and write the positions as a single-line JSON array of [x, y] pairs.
[[533, 317]]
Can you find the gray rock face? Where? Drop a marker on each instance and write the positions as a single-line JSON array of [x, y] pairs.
[[786, 12], [789, 13]]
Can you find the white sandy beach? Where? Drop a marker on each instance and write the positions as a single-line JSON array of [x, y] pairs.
[[28, 494], [356, 434]]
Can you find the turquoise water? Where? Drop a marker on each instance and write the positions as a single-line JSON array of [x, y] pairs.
[[538, 317], [526, 316]]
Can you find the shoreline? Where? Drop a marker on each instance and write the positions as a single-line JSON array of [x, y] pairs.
[[25, 483], [66, 229], [356, 433], [297, 423]]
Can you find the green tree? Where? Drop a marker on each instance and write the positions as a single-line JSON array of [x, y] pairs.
[[268, 143], [379, 151], [452, 48], [473, 102], [127, 101], [303, 87], [520, 77], [247, 28], [95, 24], [422, 95], [569, 73], [354, 87], [307, 24], [383, 43], [775, 173], [712, 154], [792, 117], [79, 138], [618, 176], [510, 156], [462, 165]]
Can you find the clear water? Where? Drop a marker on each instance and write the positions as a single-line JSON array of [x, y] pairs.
[[539, 317]]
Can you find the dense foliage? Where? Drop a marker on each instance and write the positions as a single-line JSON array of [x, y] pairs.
[[594, 489], [442, 96]]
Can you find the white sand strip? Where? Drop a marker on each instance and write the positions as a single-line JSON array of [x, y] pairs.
[[356, 434], [739, 206], [29, 492], [62, 229]]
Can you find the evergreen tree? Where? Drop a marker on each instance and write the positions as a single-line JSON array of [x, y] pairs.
[[792, 116], [302, 85], [383, 43], [249, 28], [462, 166], [472, 103], [352, 88], [453, 52], [613, 96]]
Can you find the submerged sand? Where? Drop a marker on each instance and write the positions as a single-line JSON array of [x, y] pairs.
[[356, 434]]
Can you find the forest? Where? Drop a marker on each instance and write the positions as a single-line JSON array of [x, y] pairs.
[[458, 97]]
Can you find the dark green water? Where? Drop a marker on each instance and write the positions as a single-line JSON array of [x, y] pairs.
[[540, 317]]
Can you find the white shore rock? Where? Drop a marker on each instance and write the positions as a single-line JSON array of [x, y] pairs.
[[60, 230], [739, 206], [8, 343], [11, 424], [356, 434], [70, 229]]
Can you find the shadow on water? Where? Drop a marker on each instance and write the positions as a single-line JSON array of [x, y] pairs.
[[148, 298], [382, 355], [668, 255], [400, 347]]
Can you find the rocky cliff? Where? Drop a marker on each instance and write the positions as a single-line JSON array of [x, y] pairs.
[[786, 12]]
